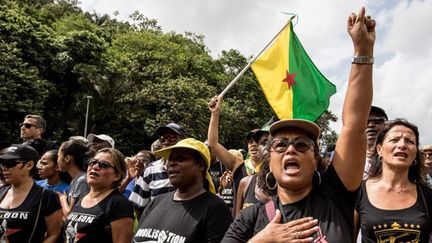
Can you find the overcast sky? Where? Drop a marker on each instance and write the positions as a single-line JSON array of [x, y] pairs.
[[403, 50]]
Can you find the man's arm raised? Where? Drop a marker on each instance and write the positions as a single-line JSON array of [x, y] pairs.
[[230, 161]]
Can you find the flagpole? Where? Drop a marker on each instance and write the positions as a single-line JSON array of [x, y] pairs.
[[228, 87]]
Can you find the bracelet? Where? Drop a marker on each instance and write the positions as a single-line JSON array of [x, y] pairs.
[[362, 60]]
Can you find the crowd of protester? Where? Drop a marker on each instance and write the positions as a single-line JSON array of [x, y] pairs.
[[375, 180]]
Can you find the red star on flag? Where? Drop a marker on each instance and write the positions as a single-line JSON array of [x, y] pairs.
[[289, 79]]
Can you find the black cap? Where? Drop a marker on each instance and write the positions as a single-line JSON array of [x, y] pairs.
[[251, 133], [378, 110], [258, 134], [172, 127], [19, 151]]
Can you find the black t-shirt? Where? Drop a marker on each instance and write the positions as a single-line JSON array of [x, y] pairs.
[[94, 224], [250, 198], [18, 223], [411, 224], [329, 202], [239, 173], [204, 218], [216, 170], [42, 145]]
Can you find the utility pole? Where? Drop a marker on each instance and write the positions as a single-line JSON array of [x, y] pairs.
[[88, 97]]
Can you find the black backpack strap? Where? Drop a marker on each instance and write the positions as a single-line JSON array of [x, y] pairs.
[[3, 191]]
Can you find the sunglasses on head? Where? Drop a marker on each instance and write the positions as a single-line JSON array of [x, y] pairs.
[[28, 125], [281, 145], [104, 165], [10, 163]]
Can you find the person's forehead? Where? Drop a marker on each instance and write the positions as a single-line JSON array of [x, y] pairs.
[[291, 132], [169, 133], [30, 120], [376, 115], [103, 156], [182, 151], [400, 130]]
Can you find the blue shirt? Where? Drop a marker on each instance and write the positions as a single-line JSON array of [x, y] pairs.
[[61, 187]]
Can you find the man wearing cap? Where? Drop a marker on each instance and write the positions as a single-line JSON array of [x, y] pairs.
[[252, 163], [31, 131], [248, 191], [154, 180], [100, 141], [377, 118], [191, 213], [28, 213]]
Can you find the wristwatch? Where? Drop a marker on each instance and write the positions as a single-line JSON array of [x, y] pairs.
[[362, 60]]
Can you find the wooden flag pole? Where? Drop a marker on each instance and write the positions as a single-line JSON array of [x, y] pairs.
[[228, 87]]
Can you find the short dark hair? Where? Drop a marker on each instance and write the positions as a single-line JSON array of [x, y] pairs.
[[40, 121]]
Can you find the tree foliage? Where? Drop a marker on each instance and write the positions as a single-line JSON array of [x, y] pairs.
[[54, 55]]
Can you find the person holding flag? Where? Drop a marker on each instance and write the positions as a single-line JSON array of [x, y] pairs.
[[306, 206]]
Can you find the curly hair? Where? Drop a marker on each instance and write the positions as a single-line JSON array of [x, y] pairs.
[[417, 171], [264, 182]]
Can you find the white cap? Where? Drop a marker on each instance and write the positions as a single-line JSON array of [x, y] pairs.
[[103, 137]]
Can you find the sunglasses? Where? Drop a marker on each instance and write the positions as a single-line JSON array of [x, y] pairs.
[[10, 163], [28, 125], [281, 145], [103, 165], [168, 138]]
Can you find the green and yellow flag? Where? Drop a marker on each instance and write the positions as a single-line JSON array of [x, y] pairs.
[[292, 84]]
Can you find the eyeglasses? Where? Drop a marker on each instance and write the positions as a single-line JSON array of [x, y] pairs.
[[10, 163], [376, 120], [281, 145], [28, 125], [169, 138], [104, 165]]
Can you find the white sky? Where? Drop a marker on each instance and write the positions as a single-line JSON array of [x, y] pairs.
[[403, 46]]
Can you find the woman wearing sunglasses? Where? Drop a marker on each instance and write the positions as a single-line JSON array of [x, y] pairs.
[[309, 204], [395, 202], [103, 214], [28, 212]]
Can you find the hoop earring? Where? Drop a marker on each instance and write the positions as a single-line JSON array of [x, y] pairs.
[[319, 177], [414, 163], [266, 181]]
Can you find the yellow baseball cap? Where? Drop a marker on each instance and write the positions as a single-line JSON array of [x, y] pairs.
[[191, 143]]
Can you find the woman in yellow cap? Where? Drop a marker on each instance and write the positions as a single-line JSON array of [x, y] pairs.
[[191, 213]]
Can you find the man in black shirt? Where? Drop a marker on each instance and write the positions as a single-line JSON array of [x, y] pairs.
[[32, 130]]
